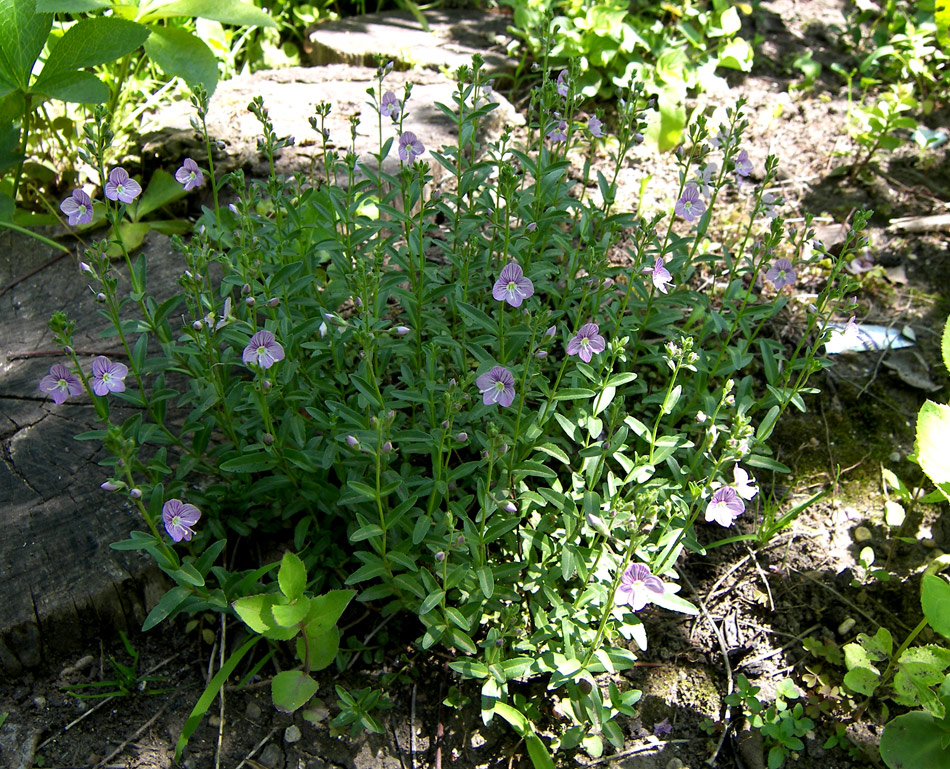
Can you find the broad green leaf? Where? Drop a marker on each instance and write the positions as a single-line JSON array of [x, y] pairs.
[[162, 189], [254, 611], [23, 33], [292, 576], [327, 609], [90, 42], [249, 463], [933, 441], [321, 646], [71, 6], [935, 601], [737, 54], [292, 689], [945, 339], [862, 680], [225, 11], [290, 615], [914, 741], [666, 126], [604, 399], [181, 54], [77, 87]]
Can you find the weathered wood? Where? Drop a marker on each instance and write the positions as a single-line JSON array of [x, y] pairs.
[[938, 222], [61, 582]]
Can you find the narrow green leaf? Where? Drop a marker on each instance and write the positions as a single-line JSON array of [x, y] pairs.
[[249, 463], [168, 604]]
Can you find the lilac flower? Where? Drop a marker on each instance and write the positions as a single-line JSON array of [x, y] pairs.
[[189, 175], [720, 138], [110, 486], [781, 274], [860, 264], [558, 134], [512, 286], [725, 506], [497, 386], [409, 147], [595, 126], [690, 206], [60, 383], [704, 177], [562, 83], [743, 164], [263, 350], [352, 441], [179, 517], [848, 334], [636, 586], [744, 484], [769, 201], [78, 207], [661, 275], [390, 106], [402, 330], [662, 727], [120, 187], [587, 342], [108, 376]]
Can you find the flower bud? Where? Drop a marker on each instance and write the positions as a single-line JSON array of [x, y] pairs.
[[273, 302], [86, 268], [387, 447], [267, 439], [250, 301], [197, 325], [439, 557], [135, 493], [551, 331], [510, 507], [460, 540], [110, 486], [445, 424], [266, 384], [100, 297], [499, 642], [245, 289], [68, 350], [352, 442], [402, 330], [462, 437], [541, 354]]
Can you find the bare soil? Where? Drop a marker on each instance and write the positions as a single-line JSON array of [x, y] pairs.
[[759, 606]]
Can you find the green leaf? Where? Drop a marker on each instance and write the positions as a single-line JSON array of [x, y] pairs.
[[914, 741], [77, 87], [249, 463], [224, 11], [945, 339], [292, 576], [573, 394], [23, 33], [168, 604], [181, 54], [208, 695], [604, 399], [328, 608], [933, 441], [321, 646], [162, 189], [90, 42], [935, 601], [254, 611], [71, 6], [292, 689], [486, 581], [862, 680], [289, 615], [666, 127], [476, 317]]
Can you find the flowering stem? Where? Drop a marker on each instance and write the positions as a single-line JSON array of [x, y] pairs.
[[609, 606]]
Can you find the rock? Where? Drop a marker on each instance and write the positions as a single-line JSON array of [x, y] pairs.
[[18, 746], [272, 757], [253, 711], [862, 534], [847, 626], [675, 763], [291, 95], [453, 36], [292, 734]]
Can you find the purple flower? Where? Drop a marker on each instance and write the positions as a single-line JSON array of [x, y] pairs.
[[559, 134], [562, 83], [690, 205], [391, 106], [512, 286], [409, 147], [704, 178], [744, 484], [781, 274], [587, 342], [662, 727], [120, 187], [720, 138], [263, 350], [78, 207], [769, 201], [595, 127], [725, 506], [497, 386], [636, 585], [108, 376], [402, 330], [179, 517], [661, 275], [743, 164], [189, 175], [860, 264], [60, 383]]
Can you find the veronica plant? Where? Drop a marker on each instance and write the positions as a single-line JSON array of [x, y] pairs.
[[453, 402]]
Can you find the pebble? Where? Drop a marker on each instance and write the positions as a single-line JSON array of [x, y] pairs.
[[930, 543], [39, 702], [477, 740], [862, 534], [847, 626], [675, 763], [272, 757], [253, 711], [292, 734], [895, 456], [191, 762]]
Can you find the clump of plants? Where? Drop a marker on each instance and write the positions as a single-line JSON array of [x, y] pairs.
[[502, 406]]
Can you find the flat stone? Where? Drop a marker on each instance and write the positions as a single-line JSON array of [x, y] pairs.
[[62, 583], [290, 96], [453, 36]]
